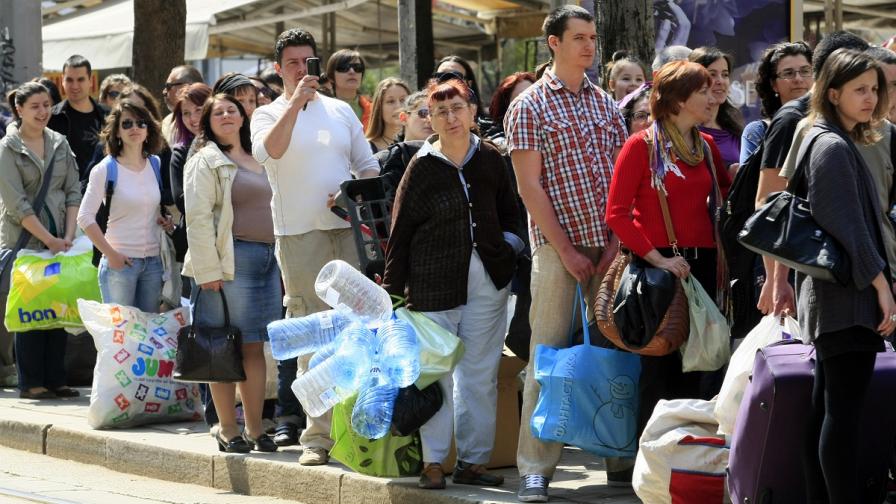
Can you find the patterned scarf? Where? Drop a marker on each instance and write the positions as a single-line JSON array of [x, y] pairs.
[[665, 146]]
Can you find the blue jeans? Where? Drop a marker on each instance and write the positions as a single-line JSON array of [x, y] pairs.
[[138, 285], [40, 358]]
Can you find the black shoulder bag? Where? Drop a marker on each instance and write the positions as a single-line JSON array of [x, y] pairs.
[[209, 354], [785, 230]]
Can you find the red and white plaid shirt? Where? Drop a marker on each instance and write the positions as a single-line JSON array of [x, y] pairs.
[[576, 134]]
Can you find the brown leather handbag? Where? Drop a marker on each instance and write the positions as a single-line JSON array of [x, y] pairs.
[[675, 326]]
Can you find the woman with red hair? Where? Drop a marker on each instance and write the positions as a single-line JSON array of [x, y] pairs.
[[452, 253], [672, 156], [510, 88]]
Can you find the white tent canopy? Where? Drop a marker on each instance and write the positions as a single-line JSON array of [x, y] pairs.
[[105, 36]]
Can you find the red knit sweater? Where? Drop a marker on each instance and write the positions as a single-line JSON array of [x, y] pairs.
[[633, 207]]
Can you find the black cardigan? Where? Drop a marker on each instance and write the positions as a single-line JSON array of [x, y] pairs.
[[428, 255]]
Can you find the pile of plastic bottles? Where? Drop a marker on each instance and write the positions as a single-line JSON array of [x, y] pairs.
[[359, 346]]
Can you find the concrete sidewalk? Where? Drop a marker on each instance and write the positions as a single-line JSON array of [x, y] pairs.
[[184, 452]]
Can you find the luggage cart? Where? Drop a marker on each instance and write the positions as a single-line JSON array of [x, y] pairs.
[[370, 214]]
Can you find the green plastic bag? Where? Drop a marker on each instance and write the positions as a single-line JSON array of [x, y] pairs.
[[440, 350], [45, 288], [708, 346], [389, 457]]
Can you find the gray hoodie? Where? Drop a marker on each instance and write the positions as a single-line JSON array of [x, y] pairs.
[[21, 175]]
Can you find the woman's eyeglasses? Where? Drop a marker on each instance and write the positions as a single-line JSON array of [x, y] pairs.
[[445, 112], [345, 67], [641, 116], [790, 73], [130, 123]]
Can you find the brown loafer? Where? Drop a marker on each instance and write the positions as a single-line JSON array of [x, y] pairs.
[[40, 394], [475, 474], [432, 477]]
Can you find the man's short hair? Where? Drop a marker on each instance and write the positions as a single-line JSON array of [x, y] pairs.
[[555, 23], [293, 38], [187, 74], [75, 61], [882, 55], [832, 42], [670, 53]]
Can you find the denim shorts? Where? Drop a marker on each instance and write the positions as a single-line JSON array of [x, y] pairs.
[[138, 285], [254, 297]]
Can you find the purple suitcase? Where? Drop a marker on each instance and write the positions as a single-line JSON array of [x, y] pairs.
[[765, 462]]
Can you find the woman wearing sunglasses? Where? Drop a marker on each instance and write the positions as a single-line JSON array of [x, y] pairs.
[[130, 272], [345, 71]]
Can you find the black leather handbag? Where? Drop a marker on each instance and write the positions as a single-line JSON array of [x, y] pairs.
[[209, 354], [642, 300], [785, 230]]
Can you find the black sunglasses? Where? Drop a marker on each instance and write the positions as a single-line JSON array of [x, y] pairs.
[[169, 85], [447, 76], [423, 113], [345, 67], [130, 123], [114, 94]]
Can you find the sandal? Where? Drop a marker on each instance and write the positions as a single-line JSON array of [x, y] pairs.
[[40, 394], [262, 443]]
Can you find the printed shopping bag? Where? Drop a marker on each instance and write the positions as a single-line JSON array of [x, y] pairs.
[[132, 382], [440, 350], [681, 460], [708, 346], [589, 395], [45, 288], [769, 330], [389, 456]]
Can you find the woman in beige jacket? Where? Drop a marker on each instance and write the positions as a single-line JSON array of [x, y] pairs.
[[230, 233]]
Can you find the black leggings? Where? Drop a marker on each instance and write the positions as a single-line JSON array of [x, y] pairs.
[[830, 455]]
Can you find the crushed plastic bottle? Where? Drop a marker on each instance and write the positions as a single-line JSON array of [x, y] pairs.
[[347, 290], [340, 375], [398, 352], [293, 337], [372, 414]]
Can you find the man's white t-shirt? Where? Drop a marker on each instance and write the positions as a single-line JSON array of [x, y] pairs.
[[326, 149]]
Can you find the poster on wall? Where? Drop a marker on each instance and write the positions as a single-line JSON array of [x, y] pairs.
[[741, 28]]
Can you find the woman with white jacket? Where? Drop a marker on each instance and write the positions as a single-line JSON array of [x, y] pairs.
[[230, 233]]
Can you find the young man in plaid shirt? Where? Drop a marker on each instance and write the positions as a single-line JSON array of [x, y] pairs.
[[563, 134]]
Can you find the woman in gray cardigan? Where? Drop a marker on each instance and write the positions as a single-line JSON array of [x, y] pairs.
[[25, 155], [847, 323]]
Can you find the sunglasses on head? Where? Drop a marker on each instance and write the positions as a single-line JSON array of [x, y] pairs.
[[441, 77], [130, 123], [345, 67]]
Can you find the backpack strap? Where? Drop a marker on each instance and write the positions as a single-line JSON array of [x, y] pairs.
[[156, 164], [111, 180]]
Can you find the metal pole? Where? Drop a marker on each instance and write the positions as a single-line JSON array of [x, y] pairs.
[[21, 44]]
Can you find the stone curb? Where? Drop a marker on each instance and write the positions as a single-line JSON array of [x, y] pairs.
[[236, 473]]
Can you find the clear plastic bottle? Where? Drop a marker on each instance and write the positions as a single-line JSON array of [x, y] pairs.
[[349, 291], [398, 352], [372, 414], [340, 375], [293, 337], [323, 354]]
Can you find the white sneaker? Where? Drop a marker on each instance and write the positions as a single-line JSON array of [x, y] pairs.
[[312, 456]]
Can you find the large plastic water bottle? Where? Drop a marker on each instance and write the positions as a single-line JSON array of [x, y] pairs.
[[372, 414], [323, 354], [349, 291], [293, 337], [398, 352], [340, 375]]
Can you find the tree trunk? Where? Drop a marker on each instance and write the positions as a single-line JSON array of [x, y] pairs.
[[159, 31], [625, 25]]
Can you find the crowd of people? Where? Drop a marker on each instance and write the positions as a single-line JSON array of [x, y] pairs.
[[532, 194]]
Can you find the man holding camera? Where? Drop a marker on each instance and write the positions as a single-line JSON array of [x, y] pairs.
[[309, 144]]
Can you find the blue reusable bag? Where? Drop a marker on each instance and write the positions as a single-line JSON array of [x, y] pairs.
[[589, 395]]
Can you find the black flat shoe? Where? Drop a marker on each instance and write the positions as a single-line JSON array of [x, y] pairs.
[[287, 434], [262, 443], [66, 392], [235, 445]]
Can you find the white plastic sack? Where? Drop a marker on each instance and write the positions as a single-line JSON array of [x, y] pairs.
[[680, 457], [766, 332], [132, 382], [708, 346]]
